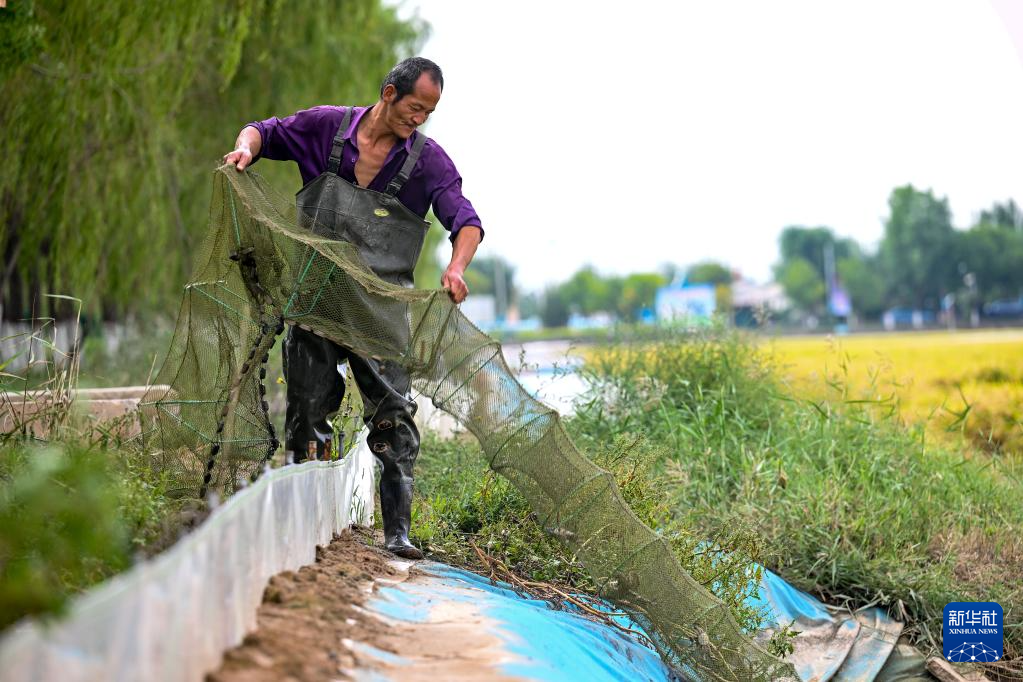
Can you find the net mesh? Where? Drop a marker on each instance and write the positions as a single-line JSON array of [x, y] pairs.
[[257, 271]]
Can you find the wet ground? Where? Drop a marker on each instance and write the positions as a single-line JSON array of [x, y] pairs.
[[307, 613], [313, 625]]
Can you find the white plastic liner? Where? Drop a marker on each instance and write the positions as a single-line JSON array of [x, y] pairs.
[[172, 617]]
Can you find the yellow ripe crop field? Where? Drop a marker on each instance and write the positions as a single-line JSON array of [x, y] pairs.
[[961, 384]]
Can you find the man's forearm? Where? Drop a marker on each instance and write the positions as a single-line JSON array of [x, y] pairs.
[[466, 242], [249, 138]]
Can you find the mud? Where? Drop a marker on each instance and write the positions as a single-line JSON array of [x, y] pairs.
[[312, 625]]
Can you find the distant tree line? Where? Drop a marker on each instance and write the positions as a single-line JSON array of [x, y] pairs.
[[587, 292], [623, 297], [113, 115], [920, 260]]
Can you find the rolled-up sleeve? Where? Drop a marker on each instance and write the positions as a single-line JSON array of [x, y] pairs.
[[292, 138], [449, 204]]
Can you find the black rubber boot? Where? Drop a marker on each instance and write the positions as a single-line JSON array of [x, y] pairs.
[[396, 507], [394, 439]]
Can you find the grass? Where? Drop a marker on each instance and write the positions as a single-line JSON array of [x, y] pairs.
[[461, 503], [848, 502], [959, 384]]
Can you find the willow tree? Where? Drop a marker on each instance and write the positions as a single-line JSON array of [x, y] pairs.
[[114, 112]]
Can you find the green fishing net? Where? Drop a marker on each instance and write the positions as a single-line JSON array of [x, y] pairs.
[[257, 271]]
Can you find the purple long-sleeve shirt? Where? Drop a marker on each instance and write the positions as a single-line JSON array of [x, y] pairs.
[[306, 137]]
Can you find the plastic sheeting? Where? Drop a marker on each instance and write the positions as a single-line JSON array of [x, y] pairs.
[[836, 644], [172, 617], [536, 642]]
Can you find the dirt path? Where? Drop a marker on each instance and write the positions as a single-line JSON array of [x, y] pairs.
[[312, 626]]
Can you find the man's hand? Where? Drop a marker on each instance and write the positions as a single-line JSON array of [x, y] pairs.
[[466, 241], [453, 281], [246, 147], [240, 157]]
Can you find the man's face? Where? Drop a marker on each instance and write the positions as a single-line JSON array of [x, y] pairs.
[[412, 110]]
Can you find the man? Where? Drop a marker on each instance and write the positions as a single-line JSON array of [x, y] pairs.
[[362, 168]]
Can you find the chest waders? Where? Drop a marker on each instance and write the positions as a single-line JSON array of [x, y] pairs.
[[389, 238]]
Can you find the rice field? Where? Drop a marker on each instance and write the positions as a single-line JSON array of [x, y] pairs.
[[965, 385]]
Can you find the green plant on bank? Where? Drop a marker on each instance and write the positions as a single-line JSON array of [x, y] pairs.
[[76, 507], [848, 502], [72, 515], [461, 500]]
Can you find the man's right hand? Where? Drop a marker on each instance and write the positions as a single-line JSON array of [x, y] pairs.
[[246, 147], [240, 157]]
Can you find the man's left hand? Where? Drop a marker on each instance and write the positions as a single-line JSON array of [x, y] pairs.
[[453, 281]]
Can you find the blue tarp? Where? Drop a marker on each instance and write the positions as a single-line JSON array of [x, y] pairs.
[[836, 644], [544, 643]]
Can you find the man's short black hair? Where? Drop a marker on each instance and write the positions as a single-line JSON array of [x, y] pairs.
[[404, 76]]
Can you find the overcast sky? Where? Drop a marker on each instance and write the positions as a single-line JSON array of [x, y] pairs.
[[631, 134]]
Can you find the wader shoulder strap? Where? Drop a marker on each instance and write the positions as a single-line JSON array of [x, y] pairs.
[[395, 185], [334, 163]]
